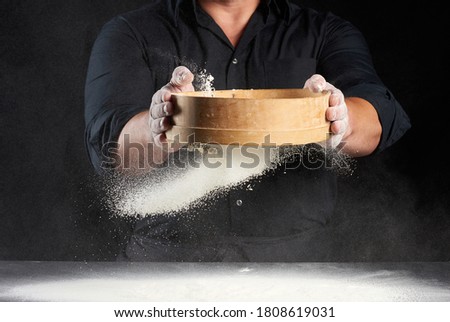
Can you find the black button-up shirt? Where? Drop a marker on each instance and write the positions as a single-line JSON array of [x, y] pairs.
[[281, 47]]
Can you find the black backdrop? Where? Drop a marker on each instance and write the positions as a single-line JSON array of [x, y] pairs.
[[395, 206]]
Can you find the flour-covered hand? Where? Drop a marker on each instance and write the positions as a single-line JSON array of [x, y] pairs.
[[337, 112], [162, 108]]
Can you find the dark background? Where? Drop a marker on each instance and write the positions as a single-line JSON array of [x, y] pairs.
[[395, 206]]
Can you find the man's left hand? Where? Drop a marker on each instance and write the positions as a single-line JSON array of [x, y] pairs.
[[337, 112]]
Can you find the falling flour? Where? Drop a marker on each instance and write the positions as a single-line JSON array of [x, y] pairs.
[[199, 179], [197, 175], [203, 82]]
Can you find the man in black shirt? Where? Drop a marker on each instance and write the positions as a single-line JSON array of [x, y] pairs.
[[243, 44]]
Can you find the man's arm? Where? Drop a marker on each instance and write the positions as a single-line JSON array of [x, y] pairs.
[[365, 115], [355, 127], [120, 82], [364, 130]]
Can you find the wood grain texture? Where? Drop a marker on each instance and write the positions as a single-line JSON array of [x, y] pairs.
[[265, 116]]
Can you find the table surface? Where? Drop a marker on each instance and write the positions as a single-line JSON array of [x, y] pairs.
[[141, 281]]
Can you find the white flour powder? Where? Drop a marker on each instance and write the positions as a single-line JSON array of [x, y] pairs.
[[201, 283], [204, 82], [203, 177]]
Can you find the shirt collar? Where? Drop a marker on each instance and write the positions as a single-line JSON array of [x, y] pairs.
[[278, 7]]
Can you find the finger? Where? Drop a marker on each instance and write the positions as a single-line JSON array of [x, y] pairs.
[[331, 113], [181, 77], [163, 95], [160, 139], [336, 98], [181, 81], [336, 113], [157, 97], [166, 92], [338, 127], [315, 83], [160, 125], [161, 110], [334, 140]]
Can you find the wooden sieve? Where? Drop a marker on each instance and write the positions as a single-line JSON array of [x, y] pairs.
[[250, 117]]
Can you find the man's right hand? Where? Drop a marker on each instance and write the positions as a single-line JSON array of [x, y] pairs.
[[161, 108]]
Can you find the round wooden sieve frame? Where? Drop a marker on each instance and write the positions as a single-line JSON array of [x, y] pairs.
[[250, 117]]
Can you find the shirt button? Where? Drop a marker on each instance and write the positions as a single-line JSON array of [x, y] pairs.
[[234, 61], [239, 202]]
